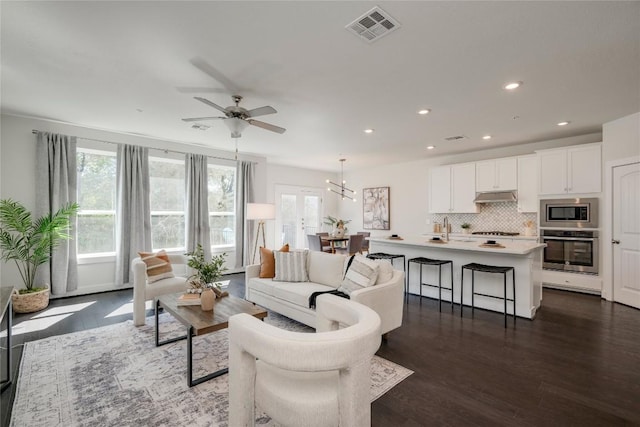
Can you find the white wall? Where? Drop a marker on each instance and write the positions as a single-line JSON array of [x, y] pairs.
[[17, 179], [620, 145]]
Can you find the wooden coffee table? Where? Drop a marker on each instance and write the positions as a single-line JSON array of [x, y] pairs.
[[199, 322]]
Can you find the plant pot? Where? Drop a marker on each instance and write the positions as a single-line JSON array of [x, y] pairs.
[[31, 302], [466, 231]]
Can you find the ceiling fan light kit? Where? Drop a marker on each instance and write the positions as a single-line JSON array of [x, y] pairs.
[[341, 189], [238, 118]]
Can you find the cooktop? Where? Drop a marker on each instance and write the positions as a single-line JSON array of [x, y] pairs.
[[496, 233]]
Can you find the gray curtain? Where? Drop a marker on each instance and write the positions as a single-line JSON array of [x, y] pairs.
[[56, 183], [245, 193], [197, 204], [133, 214]]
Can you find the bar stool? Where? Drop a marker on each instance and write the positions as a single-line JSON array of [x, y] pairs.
[[489, 269], [391, 257], [422, 261]]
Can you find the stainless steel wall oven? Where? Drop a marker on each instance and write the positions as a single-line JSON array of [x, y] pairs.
[[570, 250]]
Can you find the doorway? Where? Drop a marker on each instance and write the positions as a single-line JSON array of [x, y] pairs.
[[298, 213], [626, 234]]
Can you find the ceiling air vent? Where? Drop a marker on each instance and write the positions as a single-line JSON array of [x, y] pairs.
[[455, 138], [373, 25]]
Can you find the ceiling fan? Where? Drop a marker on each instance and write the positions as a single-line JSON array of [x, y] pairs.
[[238, 118]]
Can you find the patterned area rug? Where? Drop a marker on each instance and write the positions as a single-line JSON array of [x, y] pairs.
[[116, 376]]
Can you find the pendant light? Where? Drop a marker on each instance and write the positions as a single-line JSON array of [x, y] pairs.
[[341, 189]]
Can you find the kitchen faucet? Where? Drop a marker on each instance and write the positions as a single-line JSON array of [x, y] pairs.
[[446, 229]]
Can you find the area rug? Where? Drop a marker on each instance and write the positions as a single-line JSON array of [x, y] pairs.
[[116, 376]]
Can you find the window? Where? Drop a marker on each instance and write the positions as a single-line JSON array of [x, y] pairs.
[[167, 188], [97, 199], [222, 205]]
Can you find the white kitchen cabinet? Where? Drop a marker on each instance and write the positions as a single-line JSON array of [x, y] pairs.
[[527, 184], [452, 189], [571, 170], [497, 174]]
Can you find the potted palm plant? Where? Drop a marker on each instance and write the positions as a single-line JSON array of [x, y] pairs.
[[29, 243]]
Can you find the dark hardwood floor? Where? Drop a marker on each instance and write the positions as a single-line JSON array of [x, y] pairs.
[[577, 363]]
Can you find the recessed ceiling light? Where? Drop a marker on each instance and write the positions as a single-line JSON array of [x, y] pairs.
[[512, 85], [424, 111], [563, 123], [368, 131], [431, 147], [486, 137]]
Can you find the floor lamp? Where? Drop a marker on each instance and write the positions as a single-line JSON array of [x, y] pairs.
[[260, 212]]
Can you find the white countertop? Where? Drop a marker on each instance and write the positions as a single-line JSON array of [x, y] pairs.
[[464, 236], [510, 248]]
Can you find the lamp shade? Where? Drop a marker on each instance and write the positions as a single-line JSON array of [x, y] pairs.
[[261, 211]]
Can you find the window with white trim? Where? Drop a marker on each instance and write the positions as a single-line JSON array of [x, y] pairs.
[[222, 205], [167, 197], [96, 195]]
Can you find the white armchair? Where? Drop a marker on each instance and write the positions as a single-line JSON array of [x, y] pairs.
[[144, 291], [305, 379]]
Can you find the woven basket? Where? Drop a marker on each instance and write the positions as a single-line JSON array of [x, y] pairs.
[[29, 303]]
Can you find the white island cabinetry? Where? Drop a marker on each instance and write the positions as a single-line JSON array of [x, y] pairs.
[[524, 256]]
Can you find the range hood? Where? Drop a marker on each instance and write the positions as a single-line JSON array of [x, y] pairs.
[[496, 196]]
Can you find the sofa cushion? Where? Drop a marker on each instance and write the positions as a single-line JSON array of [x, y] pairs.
[[265, 286], [291, 266], [298, 293], [362, 273], [385, 271], [326, 269], [166, 286], [158, 265], [268, 262]]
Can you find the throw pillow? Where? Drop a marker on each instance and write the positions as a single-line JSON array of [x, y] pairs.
[[362, 273], [268, 262], [291, 266], [158, 265], [385, 271]]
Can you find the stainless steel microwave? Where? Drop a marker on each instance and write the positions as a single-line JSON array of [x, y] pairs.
[[569, 213]]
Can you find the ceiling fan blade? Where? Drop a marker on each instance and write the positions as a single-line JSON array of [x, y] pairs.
[[198, 119], [267, 126], [198, 89], [208, 69], [262, 111], [211, 104]]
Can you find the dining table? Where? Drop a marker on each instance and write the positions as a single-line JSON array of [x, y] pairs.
[[332, 240]]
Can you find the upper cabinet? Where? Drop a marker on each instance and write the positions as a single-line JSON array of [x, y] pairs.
[[527, 183], [571, 170], [452, 189], [497, 175]]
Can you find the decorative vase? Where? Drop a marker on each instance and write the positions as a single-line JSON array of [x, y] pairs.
[[207, 298], [31, 302], [466, 231], [339, 232], [528, 231]]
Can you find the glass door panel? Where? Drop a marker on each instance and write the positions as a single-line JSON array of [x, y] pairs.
[[298, 213]]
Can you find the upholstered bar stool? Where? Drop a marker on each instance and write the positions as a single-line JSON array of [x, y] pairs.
[[391, 258], [490, 269], [422, 261]]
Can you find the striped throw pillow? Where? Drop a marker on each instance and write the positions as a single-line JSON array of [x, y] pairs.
[[291, 266], [158, 265], [362, 273]]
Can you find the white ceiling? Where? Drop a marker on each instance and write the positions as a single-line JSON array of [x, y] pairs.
[[129, 67]]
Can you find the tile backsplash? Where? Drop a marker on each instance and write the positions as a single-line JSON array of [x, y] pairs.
[[502, 216]]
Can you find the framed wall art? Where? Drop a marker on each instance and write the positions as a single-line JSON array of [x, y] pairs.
[[375, 208]]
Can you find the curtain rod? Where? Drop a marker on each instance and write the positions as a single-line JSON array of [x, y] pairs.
[[166, 150]]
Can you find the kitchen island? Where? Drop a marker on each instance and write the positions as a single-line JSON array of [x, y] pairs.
[[524, 256]]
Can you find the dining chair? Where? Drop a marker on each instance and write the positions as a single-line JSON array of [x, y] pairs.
[[326, 245], [353, 246], [315, 243], [365, 241]]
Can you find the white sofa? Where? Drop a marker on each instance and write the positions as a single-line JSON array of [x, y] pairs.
[[326, 272], [144, 291]]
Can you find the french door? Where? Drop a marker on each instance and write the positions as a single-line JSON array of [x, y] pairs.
[[298, 213]]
